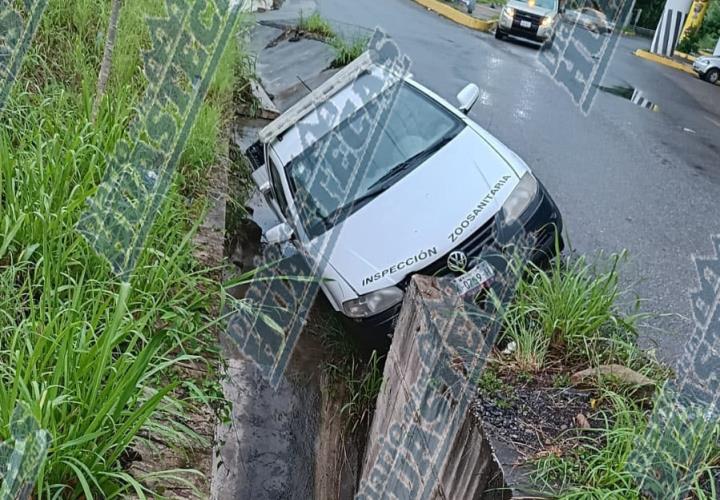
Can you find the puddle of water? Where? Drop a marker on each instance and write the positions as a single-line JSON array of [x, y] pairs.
[[631, 94]]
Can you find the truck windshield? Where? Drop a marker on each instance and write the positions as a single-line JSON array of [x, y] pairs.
[[545, 4], [321, 179]]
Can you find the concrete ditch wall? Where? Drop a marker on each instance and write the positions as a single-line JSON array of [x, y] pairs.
[[423, 443], [337, 458]]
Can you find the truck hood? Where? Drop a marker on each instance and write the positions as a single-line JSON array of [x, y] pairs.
[[533, 9], [421, 217]]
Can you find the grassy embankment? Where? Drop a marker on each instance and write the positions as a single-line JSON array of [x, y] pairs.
[[576, 316], [101, 365]]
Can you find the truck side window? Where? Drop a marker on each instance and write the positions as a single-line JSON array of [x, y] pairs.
[[277, 189]]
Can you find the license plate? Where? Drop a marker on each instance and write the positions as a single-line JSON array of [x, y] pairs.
[[474, 279], [526, 24]]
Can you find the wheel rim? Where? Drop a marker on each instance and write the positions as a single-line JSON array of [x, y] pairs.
[[713, 77]]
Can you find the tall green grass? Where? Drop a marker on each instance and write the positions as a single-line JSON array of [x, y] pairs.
[[94, 359], [572, 316], [573, 311], [316, 24], [361, 382], [346, 50], [597, 467]]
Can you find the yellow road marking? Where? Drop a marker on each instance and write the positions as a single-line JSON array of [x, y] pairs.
[[452, 13]]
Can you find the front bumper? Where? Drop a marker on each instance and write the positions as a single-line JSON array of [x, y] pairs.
[[535, 32], [374, 332], [524, 33], [542, 219], [544, 222], [699, 68]]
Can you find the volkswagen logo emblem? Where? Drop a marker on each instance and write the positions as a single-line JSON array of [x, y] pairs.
[[457, 261]]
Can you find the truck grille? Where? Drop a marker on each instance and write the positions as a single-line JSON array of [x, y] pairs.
[[534, 20], [472, 247]]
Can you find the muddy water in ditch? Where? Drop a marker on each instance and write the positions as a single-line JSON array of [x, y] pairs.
[[269, 443], [268, 449]]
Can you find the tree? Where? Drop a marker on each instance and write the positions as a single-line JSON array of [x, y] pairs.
[[707, 35], [107, 57], [651, 12]]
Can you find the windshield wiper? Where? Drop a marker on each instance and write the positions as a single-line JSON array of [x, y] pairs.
[[327, 220], [414, 160], [382, 184]]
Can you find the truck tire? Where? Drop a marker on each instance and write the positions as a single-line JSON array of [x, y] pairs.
[[498, 34], [712, 75]]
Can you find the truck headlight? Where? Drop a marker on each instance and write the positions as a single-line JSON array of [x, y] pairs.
[[546, 22], [521, 197], [373, 302], [509, 12]]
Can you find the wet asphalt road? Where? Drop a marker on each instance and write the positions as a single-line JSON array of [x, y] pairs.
[[624, 177]]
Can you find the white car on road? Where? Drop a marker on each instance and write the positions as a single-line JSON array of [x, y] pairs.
[[432, 194], [708, 68]]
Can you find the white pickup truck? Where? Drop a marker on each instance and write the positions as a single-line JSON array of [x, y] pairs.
[[427, 198], [535, 20]]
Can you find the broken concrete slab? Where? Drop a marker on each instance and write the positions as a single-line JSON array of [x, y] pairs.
[[515, 470], [244, 132], [643, 387], [283, 65], [262, 35], [622, 373], [285, 99], [267, 110]]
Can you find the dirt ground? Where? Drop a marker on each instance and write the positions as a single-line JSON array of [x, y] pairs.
[[532, 415]]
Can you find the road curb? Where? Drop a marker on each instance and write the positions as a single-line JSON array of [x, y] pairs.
[[685, 56], [665, 61], [457, 16]]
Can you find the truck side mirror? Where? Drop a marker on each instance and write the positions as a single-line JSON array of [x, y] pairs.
[[279, 234], [261, 179], [467, 97]]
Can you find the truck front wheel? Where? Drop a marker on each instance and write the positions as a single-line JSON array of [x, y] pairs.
[[549, 43]]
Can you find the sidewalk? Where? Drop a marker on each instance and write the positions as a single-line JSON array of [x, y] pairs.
[[679, 61], [483, 18], [486, 12]]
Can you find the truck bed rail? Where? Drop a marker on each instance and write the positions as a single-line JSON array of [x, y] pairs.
[[311, 101]]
